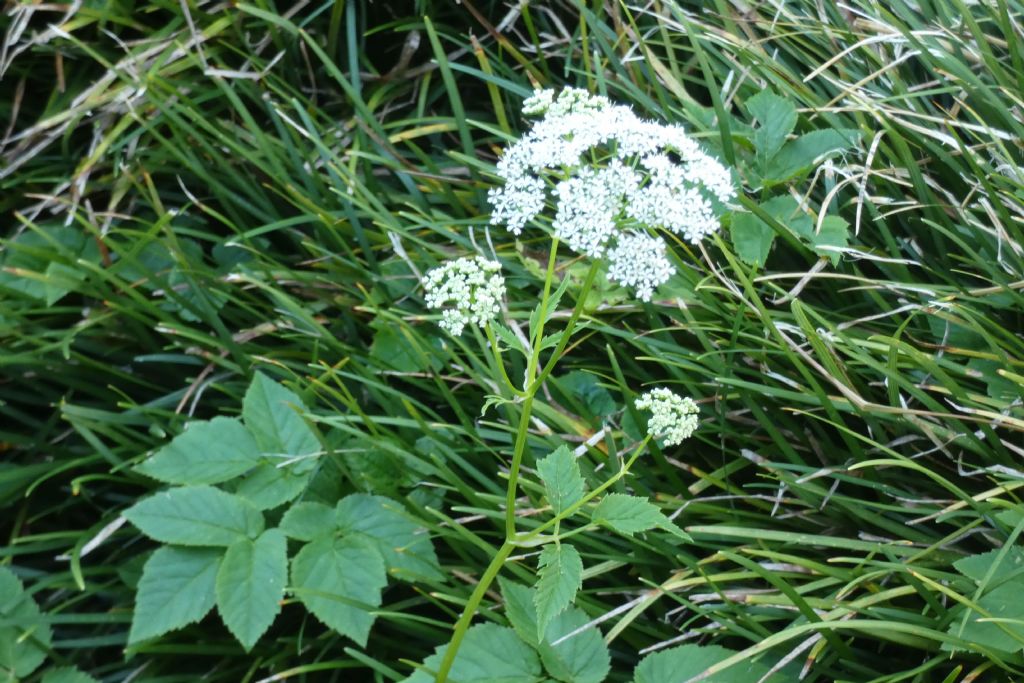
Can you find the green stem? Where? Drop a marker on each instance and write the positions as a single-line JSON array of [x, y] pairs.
[[577, 311], [467, 614], [513, 472], [497, 361]]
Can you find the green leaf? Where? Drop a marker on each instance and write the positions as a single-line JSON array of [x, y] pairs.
[[176, 589], [407, 550], [630, 514], [205, 453], [560, 575], [834, 232], [67, 674], [22, 648], [752, 238], [393, 349], [308, 521], [506, 335], [776, 117], [250, 585], [807, 150], [489, 654], [272, 413], [339, 580], [683, 663], [976, 567], [1002, 603], [583, 658], [196, 516], [563, 484], [269, 486], [585, 387]]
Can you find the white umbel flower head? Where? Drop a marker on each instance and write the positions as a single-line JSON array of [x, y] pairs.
[[469, 290], [612, 178], [673, 417]]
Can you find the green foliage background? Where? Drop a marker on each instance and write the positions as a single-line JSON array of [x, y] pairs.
[[191, 192]]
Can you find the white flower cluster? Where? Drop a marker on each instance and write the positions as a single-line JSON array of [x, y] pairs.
[[613, 175], [674, 417], [468, 289]]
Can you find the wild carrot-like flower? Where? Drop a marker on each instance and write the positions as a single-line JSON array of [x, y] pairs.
[[612, 176], [673, 417], [469, 290]]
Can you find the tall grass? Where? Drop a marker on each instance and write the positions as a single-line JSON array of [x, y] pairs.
[[191, 192]]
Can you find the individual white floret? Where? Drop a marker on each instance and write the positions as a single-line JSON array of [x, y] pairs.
[[468, 289], [638, 260], [673, 417]]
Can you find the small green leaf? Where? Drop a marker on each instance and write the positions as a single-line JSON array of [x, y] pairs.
[[776, 117], [686, 662], [67, 674], [205, 453], [273, 414], [308, 521], [807, 150], [563, 483], [406, 548], [196, 516], [630, 514], [752, 238], [489, 654], [22, 648], [339, 580], [269, 486], [176, 589], [506, 335], [250, 585], [560, 576]]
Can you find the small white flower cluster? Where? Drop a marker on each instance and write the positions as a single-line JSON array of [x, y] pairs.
[[613, 176], [468, 289], [674, 417]]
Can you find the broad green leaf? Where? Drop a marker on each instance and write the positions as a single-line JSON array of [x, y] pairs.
[[269, 486], [683, 663], [22, 648], [630, 514], [583, 658], [339, 580], [489, 654], [176, 589], [67, 674], [806, 150], [586, 388], [560, 575], [752, 238], [404, 544], [207, 452], [563, 484], [308, 521], [834, 232], [393, 350], [1003, 603], [776, 117], [977, 566], [250, 585], [272, 413], [196, 515]]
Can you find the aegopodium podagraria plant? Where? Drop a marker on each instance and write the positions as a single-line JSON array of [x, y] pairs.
[[614, 178]]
